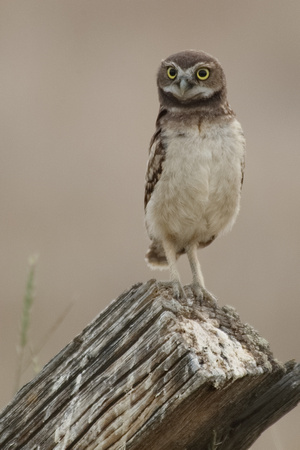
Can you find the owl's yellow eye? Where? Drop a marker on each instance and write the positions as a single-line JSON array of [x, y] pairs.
[[202, 74], [172, 73]]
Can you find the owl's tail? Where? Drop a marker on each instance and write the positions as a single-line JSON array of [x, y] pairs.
[[155, 256]]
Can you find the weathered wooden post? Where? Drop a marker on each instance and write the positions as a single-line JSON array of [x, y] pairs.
[[154, 373]]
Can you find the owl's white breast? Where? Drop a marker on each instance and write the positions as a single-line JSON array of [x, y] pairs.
[[198, 194]]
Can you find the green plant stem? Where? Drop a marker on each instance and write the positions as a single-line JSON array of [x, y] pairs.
[[25, 318]]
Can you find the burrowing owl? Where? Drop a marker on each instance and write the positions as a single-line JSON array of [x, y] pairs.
[[195, 167]]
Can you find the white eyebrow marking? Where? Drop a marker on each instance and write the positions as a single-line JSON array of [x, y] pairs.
[[194, 91]]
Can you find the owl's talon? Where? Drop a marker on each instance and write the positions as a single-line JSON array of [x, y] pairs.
[[210, 298], [178, 291], [198, 292]]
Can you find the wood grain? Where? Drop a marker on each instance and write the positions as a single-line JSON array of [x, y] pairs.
[[154, 373]]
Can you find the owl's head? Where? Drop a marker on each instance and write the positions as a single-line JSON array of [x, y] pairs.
[[191, 78]]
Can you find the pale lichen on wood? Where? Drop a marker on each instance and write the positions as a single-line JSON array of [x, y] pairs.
[[154, 373]]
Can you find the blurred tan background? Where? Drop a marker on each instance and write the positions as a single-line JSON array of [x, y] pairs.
[[78, 108]]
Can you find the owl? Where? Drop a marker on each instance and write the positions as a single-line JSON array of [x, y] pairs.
[[195, 167]]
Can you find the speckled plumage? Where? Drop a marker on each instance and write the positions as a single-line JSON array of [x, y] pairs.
[[195, 166]]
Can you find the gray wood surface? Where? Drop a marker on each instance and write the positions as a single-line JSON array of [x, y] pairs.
[[154, 373]]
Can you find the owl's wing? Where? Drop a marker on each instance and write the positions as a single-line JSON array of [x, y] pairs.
[[243, 166], [157, 155], [242, 171]]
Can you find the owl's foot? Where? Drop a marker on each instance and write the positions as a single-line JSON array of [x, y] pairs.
[[210, 298], [202, 294], [178, 291], [197, 290]]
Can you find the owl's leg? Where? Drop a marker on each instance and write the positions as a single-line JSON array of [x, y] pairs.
[[198, 286], [170, 252], [198, 280]]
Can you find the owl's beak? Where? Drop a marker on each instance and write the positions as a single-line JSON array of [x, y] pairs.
[[183, 86]]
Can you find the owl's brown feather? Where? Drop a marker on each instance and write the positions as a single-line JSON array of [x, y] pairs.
[[157, 155]]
